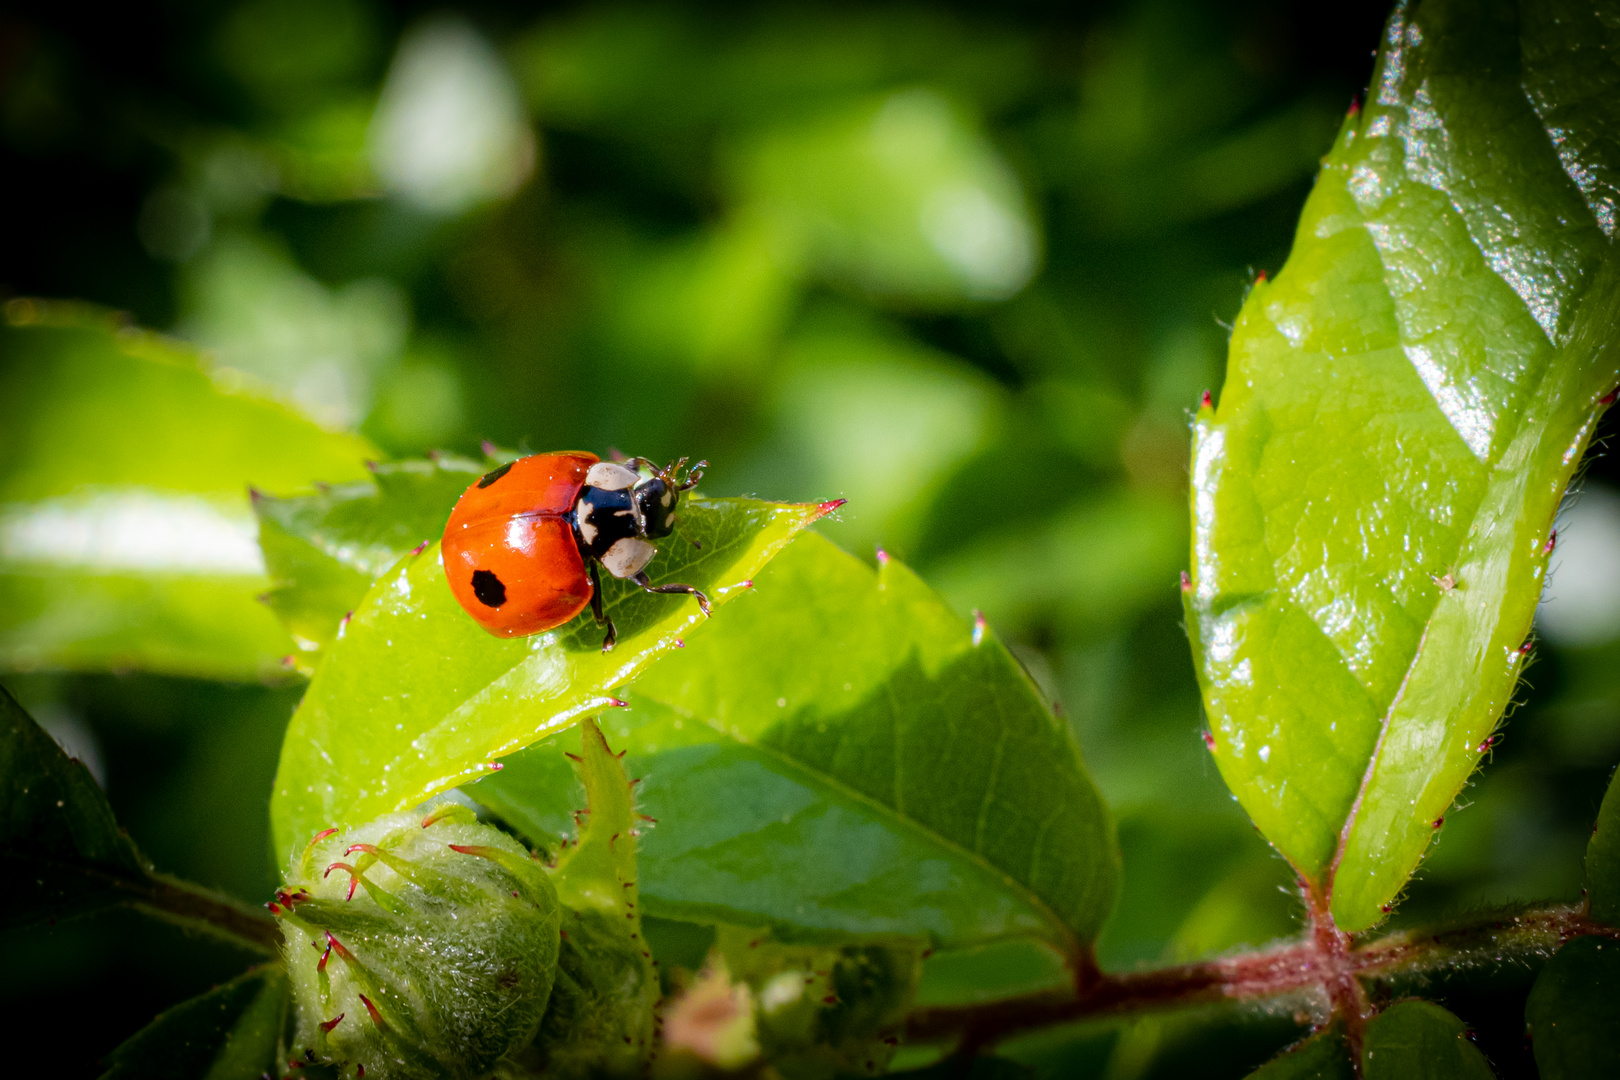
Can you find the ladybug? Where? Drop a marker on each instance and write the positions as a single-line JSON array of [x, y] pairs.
[[523, 544]]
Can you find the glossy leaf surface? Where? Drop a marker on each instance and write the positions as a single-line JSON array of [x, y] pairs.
[[229, 1033], [64, 854], [844, 754], [1573, 1015], [415, 698], [1405, 404], [1603, 860], [324, 550], [125, 535]]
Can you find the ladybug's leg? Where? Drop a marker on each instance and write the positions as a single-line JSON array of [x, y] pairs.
[[703, 601], [596, 609]]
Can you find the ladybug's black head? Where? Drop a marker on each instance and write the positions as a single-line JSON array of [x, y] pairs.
[[657, 496]]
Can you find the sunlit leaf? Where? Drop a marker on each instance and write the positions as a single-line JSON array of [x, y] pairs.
[[1573, 1015], [1418, 1040], [125, 535], [324, 550], [415, 697], [844, 754], [1404, 407], [229, 1033]]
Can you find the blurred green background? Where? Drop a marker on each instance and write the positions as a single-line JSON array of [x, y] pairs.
[[967, 267]]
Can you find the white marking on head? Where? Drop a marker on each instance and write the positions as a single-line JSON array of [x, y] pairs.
[[610, 476], [626, 557], [587, 530]]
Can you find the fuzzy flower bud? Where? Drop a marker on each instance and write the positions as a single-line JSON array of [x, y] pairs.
[[418, 947]]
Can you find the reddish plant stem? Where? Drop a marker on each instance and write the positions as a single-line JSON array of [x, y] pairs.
[[1334, 970], [1325, 967]]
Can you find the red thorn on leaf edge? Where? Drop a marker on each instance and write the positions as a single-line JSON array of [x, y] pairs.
[[679, 644], [882, 557], [419, 548], [1608, 399], [1386, 908], [328, 1025], [1207, 401], [1355, 106], [1186, 582], [978, 626], [322, 835], [1552, 541], [1437, 822], [372, 466], [1260, 278], [489, 448], [1209, 741], [1524, 650], [615, 703], [376, 1017], [823, 509], [573, 757]]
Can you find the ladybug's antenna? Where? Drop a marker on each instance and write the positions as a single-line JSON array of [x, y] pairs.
[[672, 475]]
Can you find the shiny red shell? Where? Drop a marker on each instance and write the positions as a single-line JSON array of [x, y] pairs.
[[509, 551]]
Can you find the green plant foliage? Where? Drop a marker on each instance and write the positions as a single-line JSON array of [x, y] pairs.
[[1418, 1040], [1573, 1015], [324, 550], [418, 946], [416, 697], [64, 853], [230, 1033], [1323, 1056], [601, 1018], [1405, 405], [886, 768], [824, 1010], [66, 856], [125, 535], [1603, 861]]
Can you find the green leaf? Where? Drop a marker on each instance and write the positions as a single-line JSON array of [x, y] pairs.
[[601, 1019], [63, 851], [843, 754], [1323, 1056], [125, 535], [229, 1033], [324, 550], [1603, 860], [416, 698], [1418, 1040], [1405, 404], [1573, 1015], [64, 855]]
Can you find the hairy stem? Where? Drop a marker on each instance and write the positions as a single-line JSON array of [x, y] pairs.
[[198, 908], [1322, 965]]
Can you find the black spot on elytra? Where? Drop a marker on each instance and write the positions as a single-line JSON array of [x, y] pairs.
[[492, 476], [488, 588]]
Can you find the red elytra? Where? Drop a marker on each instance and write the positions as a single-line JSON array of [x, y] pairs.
[[511, 538], [525, 544]]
